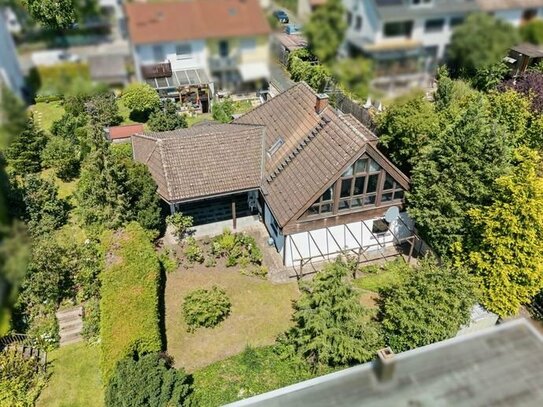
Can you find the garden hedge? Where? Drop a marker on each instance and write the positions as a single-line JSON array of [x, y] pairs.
[[130, 288]]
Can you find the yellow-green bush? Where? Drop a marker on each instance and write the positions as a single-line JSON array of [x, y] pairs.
[[129, 306]]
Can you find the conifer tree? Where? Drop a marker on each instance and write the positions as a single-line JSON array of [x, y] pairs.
[[24, 152]]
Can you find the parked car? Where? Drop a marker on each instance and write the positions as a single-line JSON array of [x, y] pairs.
[[281, 16]]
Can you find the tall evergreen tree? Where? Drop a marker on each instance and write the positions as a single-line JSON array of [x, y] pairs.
[[24, 152], [331, 327]]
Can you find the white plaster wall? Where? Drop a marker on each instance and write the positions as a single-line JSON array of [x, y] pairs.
[[324, 244], [371, 25], [10, 71], [197, 59]]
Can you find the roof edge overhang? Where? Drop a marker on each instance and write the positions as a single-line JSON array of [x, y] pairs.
[[211, 196]]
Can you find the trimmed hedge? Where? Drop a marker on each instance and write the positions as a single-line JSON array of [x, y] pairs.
[[129, 306]]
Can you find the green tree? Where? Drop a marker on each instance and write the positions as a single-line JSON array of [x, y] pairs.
[[331, 327], [147, 381], [429, 305], [406, 128], [24, 152], [481, 41], [506, 246], [512, 111], [59, 14], [68, 126], [21, 379], [166, 118], [63, 156], [354, 76], [457, 173], [180, 224], [13, 117], [103, 105], [490, 77], [141, 99], [532, 32], [45, 211], [223, 111], [325, 30]]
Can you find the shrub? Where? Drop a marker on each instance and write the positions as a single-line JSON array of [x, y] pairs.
[[223, 111], [148, 380], [141, 99], [180, 224], [168, 261], [210, 262], [62, 155], [166, 118], [44, 329], [129, 306], [193, 252], [91, 320], [20, 379], [238, 248], [532, 32], [206, 308]]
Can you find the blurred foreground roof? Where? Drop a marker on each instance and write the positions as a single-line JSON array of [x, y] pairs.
[[150, 23], [500, 366]]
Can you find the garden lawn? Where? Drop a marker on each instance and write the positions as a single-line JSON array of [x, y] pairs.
[[75, 380], [260, 311], [191, 121], [47, 113], [383, 277]]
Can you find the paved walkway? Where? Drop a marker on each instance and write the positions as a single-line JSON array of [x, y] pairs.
[[70, 323]]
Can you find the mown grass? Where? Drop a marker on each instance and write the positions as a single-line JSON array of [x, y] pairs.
[[377, 278], [47, 113], [75, 378], [260, 311]]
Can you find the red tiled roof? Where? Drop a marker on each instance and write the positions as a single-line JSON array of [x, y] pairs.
[[127, 131], [194, 19]]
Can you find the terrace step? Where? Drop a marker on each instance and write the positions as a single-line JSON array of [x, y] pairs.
[[70, 324]]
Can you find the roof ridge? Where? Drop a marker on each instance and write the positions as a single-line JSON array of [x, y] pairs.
[[166, 177], [323, 122]]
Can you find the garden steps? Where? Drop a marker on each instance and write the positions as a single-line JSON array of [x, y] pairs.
[[70, 324]]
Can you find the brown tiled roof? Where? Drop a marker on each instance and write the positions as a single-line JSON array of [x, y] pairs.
[[126, 131], [316, 149], [202, 161], [491, 5], [194, 20]]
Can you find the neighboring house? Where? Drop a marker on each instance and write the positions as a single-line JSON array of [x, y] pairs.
[[407, 38], [10, 71], [109, 69], [314, 175], [500, 366], [12, 22], [200, 45], [122, 134], [523, 56]]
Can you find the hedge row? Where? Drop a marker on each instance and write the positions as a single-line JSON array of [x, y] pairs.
[[129, 306]]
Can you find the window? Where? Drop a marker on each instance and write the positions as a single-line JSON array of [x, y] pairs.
[[248, 44], [358, 24], [183, 51], [223, 49], [324, 204], [421, 2], [456, 21], [398, 29], [432, 26], [391, 190], [158, 53], [349, 18]]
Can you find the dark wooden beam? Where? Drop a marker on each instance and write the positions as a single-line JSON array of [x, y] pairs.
[[234, 220]]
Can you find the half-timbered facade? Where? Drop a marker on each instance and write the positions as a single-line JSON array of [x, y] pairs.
[[315, 175]]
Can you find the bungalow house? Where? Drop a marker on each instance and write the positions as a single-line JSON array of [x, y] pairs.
[[192, 48], [314, 175], [122, 134]]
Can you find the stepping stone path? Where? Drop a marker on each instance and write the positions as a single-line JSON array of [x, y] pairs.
[[70, 324]]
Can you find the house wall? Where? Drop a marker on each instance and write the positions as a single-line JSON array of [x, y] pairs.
[[197, 58], [277, 237], [10, 71], [324, 242], [248, 49]]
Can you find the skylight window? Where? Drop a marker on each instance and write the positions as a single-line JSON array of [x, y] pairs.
[[275, 146]]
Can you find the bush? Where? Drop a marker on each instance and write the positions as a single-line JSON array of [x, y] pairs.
[[180, 224], [44, 329], [20, 379], [166, 118], [129, 306], [532, 32], [148, 380], [63, 156], [193, 252], [168, 261], [91, 320], [223, 111], [141, 99], [205, 308], [238, 248]]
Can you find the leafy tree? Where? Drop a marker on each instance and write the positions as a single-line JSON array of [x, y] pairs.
[[59, 14], [103, 105], [530, 85], [479, 42], [457, 173], [147, 381], [511, 110], [24, 152], [325, 30], [206, 308], [490, 77], [141, 99], [63, 156], [429, 305], [223, 111], [406, 128], [330, 325], [21, 379], [44, 209], [166, 118], [354, 75], [506, 246], [532, 32]]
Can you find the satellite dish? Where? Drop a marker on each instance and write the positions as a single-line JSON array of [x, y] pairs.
[[392, 214]]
